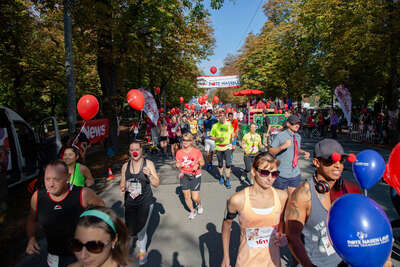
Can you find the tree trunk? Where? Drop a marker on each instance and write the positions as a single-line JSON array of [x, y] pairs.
[[69, 68], [107, 69]]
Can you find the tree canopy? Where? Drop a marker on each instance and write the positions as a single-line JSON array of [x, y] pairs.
[[308, 46]]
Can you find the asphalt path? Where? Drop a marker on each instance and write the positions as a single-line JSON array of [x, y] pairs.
[[176, 241]]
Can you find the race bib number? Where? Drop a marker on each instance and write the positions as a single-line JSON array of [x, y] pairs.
[[259, 237], [173, 130], [52, 260], [252, 149], [328, 246], [134, 189], [208, 133]]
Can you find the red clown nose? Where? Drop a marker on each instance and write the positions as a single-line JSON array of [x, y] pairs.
[[336, 157], [135, 154]]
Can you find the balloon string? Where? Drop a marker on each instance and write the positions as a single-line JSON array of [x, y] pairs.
[[76, 137]]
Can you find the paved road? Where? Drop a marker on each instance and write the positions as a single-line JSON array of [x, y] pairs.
[[176, 241]]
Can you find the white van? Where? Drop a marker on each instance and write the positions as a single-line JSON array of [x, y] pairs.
[[24, 152]]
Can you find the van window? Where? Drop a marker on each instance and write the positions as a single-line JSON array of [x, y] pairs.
[[26, 139]]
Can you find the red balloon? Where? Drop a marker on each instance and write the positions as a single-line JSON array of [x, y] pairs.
[[213, 70], [192, 106], [187, 105], [216, 99], [161, 110], [181, 99], [228, 110], [172, 111], [392, 172], [157, 90], [135, 99], [280, 111], [88, 106]]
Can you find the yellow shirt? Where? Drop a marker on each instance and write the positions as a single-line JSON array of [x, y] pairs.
[[193, 126], [252, 143]]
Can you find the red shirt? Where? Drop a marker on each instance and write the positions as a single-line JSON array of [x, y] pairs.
[[349, 188], [189, 160], [235, 125], [311, 121]]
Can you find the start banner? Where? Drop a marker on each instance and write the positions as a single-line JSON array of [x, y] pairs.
[[218, 81], [95, 130]]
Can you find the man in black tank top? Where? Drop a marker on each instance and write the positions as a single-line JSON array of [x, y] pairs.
[[56, 208]]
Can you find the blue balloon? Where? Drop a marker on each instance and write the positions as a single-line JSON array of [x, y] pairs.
[[368, 168], [359, 231]]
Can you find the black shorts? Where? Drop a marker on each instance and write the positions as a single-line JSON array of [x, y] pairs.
[[191, 182], [163, 138], [173, 140]]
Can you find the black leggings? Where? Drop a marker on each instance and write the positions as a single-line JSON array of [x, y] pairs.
[[227, 154], [136, 217], [248, 162]]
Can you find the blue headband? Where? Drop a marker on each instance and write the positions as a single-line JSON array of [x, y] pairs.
[[101, 215]]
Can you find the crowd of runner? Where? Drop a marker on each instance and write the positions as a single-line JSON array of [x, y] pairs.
[[276, 208]]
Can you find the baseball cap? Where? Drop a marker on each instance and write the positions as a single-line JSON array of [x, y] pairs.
[[293, 119], [326, 147]]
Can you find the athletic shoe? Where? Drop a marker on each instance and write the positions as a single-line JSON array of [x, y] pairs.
[[173, 158], [221, 180], [142, 258], [228, 184], [192, 215], [200, 209]]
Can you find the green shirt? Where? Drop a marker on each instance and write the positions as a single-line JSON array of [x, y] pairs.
[[77, 178], [226, 131]]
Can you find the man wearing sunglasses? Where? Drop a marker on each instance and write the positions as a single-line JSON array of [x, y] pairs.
[[286, 146], [309, 204], [56, 208]]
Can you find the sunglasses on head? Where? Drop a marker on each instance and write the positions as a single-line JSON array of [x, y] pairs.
[[91, 246], [266, 173]]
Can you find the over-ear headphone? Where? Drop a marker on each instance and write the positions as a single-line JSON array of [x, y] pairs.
[[322, 187]]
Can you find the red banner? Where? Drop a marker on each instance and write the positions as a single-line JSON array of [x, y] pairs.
[[95, 130]]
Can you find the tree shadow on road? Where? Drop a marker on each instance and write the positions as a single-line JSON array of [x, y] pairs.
[[213, 241], [158, 209]]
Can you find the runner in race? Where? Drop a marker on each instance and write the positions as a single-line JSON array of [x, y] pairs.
[[56, 208], [137, 177], [260, 208], [251, 144], [287, 148], [189, 161], [209, 144], [235, 126], [79, 173], [163, 127], [101, 239], [193, 127], [173, 129], [222, 133]]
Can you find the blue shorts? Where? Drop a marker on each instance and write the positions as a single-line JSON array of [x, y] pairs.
[[234, 141], [283, 183]]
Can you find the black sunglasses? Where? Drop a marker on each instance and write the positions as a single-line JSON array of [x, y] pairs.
[[329, 162], [92, 246], [266, 173]]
